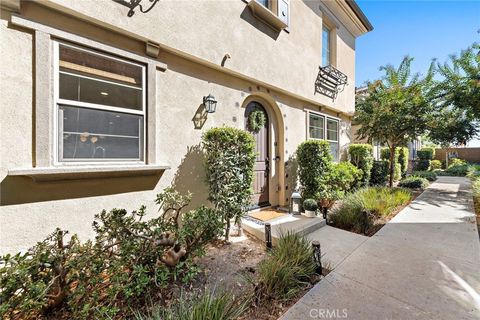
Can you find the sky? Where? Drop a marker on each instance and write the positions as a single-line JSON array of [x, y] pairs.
[[421, 29]]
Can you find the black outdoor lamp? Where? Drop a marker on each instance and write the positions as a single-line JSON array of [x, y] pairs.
[[210, 103]]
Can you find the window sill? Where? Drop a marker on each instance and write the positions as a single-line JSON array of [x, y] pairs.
[[267, 16], [42, 174]]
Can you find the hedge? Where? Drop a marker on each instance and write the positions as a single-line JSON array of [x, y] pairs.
[[379, 173], [426, 153], [361, 156], [413, 182], [314, 167]]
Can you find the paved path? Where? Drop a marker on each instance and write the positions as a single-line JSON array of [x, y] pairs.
[[424, 264]]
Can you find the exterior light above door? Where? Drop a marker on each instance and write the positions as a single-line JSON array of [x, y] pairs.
[[210, 103]]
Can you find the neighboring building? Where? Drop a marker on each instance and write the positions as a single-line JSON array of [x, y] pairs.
[[101, 109]]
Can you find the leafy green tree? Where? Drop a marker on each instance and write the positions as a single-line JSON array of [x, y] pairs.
[[452, 127], [396, 108], [460, 86]]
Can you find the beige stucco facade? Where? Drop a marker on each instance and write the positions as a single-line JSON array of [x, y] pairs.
[[276, 69]]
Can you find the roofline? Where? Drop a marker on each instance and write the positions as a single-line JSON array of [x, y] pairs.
[[359, 13]]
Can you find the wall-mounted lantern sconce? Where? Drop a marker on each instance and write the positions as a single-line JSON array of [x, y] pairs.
[[210, 103], [133, 4]]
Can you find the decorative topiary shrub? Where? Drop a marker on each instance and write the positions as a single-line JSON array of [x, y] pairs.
[[379, 173], [429, 175], [310, 205], [413, 182], [435, 164], [361, 156], [314, 168], [385, 155], [229, 161], [403, 160], [397, 175], [422, 165], [426, 153]]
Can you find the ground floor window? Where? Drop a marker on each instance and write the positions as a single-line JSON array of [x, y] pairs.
[[100, 106], [323, 127]]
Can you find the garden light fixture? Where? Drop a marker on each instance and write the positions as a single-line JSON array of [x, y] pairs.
[[210, 103], [295, 203], [317, 256]]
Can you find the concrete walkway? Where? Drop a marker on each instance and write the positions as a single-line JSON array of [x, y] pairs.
[[424, 264]]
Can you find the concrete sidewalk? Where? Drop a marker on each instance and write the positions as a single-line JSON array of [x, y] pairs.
[[424, 264]]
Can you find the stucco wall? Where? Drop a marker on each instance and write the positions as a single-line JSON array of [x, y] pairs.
[[30, 210]]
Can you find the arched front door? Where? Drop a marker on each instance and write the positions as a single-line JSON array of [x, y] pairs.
[[261, 171]]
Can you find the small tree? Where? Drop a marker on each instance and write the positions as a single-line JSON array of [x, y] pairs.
[[395, 109], [229, 161], [451, 127]]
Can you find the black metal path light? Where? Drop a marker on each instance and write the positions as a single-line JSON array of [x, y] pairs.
[[210, 103]]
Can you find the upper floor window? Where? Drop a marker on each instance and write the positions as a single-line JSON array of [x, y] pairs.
[[100, 106], [322, 127], [264, 3], [326, 43]]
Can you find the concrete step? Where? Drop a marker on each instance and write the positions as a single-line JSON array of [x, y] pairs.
[[288, 223]]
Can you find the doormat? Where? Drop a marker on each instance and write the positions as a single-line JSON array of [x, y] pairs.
[[266, 215]]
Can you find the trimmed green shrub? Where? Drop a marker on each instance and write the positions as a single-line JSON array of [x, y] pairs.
[[476, 193], [359, 210], [459, 170], [435, 164], [361, 156], [403, 160], [211, 305], [385, 154], [314, 168], [287, 268], [229, 161], [397, 173], [422, 165], [379, 174], [345, 176], [429, 175], [426, 153], [414, 182], [397, 170], [310, 205], [456, 162]]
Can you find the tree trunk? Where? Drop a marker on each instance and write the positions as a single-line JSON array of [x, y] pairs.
[[392, 165], [227, 230], [446, 158]]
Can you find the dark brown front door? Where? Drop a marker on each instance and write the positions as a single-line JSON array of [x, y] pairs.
[[261, 170]]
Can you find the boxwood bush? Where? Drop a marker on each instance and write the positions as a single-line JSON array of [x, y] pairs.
[[379, 173], [413, 182], [429, 175], [310, 205], [361, 156], [435, 164]]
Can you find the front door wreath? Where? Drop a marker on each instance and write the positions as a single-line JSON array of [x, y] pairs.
[[256, 120]]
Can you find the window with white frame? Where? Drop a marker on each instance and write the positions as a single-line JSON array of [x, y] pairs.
[[322, 127], [100, 106]]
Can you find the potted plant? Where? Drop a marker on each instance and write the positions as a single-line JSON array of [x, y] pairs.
[[310, 206]]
